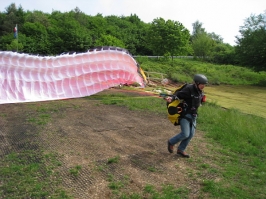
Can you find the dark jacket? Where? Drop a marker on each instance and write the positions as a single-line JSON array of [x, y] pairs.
[[192, 97]]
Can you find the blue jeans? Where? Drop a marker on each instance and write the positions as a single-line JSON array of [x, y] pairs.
[[187, 132]]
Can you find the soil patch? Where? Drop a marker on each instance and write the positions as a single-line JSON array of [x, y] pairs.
[[108, 144]]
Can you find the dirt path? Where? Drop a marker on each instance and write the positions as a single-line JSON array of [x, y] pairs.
[[88, 134]]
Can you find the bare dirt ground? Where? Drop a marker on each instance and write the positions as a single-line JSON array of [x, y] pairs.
[[88, 134]]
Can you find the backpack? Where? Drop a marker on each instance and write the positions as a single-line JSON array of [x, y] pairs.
[[175, 109]]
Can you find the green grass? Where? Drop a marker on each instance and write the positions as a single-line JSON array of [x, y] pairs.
[[113, 160], [133, 103], [75, 171], [247, 99], [167, 192], [182, 70], [32, 173], [242, 139], [238, 138], [26, 175], [41, 113]]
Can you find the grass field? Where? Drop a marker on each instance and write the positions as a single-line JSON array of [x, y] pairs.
[[247, 99], [236, 139], [232, 165]]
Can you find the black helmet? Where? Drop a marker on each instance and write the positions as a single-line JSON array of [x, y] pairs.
[[200, 79]]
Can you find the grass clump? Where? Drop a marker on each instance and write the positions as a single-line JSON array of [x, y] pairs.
[[113, 160], [167, 191], [75, 171]]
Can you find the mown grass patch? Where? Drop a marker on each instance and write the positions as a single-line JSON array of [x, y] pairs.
[[146, 103], [247, 99]]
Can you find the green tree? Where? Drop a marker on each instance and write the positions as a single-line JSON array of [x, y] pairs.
[[79, 16], [251, 44], [14, 46], [96, 26], [37, 40], [37, 16], [135, 35], [66, 34], [217, 38], [223, 54], [202, 45], [109, 40], [12, 16], [124, 30], [168, 37], [197, 29], [209, 46]]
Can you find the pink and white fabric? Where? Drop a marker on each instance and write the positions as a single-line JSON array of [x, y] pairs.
[[29, 78]]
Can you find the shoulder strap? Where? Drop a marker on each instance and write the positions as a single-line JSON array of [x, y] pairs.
[[180, 88]]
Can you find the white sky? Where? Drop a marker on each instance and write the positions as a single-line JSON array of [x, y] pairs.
[[223, 17]]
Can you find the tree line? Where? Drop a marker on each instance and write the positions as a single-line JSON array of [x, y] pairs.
[[74, 31]]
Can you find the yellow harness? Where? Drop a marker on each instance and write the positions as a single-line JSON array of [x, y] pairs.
[[175, 108]]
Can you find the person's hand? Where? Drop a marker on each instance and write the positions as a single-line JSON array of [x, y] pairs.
[[179, 109], [168, 99]]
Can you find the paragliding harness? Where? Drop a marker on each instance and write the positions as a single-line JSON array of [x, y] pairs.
[[177, 109]]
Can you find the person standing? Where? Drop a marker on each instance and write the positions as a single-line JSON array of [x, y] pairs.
[[193, 96]]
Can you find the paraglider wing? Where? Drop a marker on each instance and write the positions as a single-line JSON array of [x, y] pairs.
[[29, 78]]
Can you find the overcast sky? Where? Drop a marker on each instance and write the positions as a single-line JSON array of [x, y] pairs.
[[223, 17]]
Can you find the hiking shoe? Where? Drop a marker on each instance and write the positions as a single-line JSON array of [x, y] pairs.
[[183, 154], [170, 147]]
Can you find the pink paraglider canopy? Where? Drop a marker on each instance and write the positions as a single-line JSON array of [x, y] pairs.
[[29, 78]]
